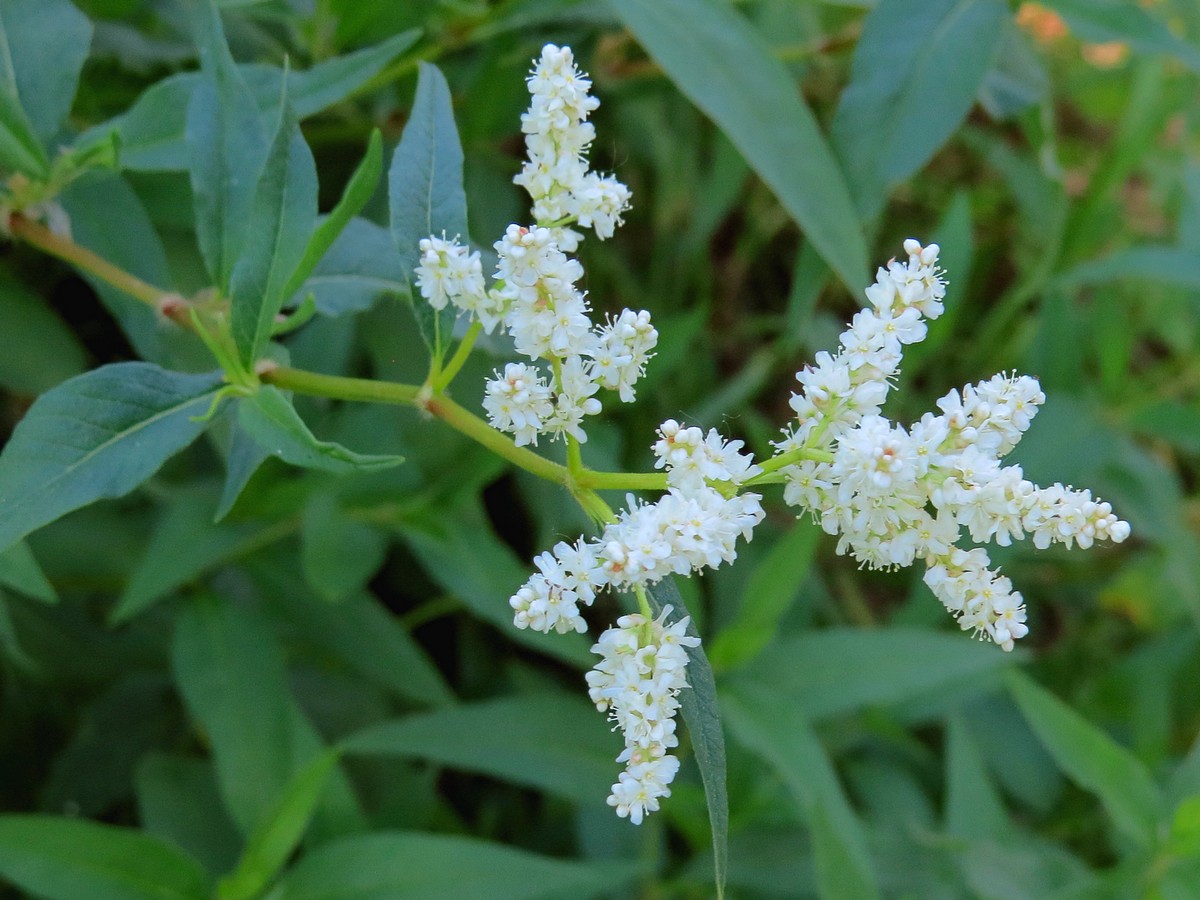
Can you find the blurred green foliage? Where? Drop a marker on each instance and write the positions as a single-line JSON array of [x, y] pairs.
[[182, 679]]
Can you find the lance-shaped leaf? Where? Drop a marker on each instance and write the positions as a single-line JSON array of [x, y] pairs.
[[281, 223], [243, 460], [558, 744], [359, 188], [230, 670], [767, 722], [900, 106], [425, 190], [98, 435], [226, 145], [411, 864], [1099, 21], [272, 842], [723, 65], [64, 859], [1092, 760], [21, 572], [43, 44], [359, 268], [338, 553], [273, 422], [152, 130], [20, 149], [701, 713]]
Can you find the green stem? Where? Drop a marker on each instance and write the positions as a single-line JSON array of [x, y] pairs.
[[341, 388], [776, 463], [621, 481], [65, 249], [643, 601], [452, 368], [481, 432], [574, 458]]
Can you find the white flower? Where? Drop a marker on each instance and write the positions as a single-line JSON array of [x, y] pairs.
[[692, 459], [450, 273], [569, 577], [623, 347], [642, 669], [518, 402]]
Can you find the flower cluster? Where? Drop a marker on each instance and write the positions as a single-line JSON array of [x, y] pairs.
[[637, 682], [535, 294], [557, 139], [892, 495], [896, 495], [693, 526]]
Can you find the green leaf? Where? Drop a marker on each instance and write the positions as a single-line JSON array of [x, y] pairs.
[[1184, 839], [1163, 265], [269, 417], [360, 634], [386, 865], [94, 203], [768, 595], [359, 189], [550, 742], [96, 436], [230, 670], [1017, 80], [900, 107], [43, 44], [69, 859], [20, 149], [281, 224], [40, 351], [1099, 21], [273, 842], [425, 191], [1092, 760], [338, 553], [459, 550], [21, 572], [152, 131], [241, 462], [185, 544], [846, 670], [702, 715], [226, 145], [723, 65], [767, 721], [177, 799], [360, 267], [973, 808], [10, 642]]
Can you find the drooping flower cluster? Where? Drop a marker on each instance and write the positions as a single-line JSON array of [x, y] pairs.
[[637, 682], [693, 526], [535, 295], [896, 495]]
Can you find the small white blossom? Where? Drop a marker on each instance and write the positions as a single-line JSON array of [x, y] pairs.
[[623, 348], [518, 402]]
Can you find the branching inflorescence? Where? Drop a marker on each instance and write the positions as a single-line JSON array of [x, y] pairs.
[[893, 496]]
